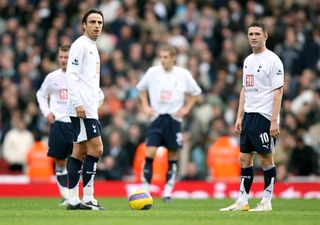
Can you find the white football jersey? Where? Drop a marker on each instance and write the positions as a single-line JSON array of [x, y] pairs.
[[262, 74], [53, 95], [167, 89], [83, 77]]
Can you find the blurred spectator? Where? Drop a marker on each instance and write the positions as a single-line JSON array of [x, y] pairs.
[[114, 164], [303, 160], [16, 144], [192, 173]]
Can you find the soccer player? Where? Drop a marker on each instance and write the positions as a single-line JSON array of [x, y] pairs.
[[52, 98], [166, 86], [85, 97], [258, 117]]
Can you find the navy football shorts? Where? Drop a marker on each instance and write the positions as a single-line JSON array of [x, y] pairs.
[[60, 140], [85, 129], [165, 131], [255, 135]]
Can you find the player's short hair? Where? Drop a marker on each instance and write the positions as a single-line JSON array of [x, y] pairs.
[[64, 48], [90, 11], [169, 48], [261, 25]]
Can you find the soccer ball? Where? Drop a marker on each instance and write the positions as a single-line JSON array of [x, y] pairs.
[[140, 200]]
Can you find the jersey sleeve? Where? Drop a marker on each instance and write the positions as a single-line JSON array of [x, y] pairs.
[[192, 86], [43, 95], [143, 83], [277, 75], [73, 72]]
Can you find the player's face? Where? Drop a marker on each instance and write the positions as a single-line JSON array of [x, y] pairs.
[[167, 60], [63, 60], [93, 26], [257, 39]]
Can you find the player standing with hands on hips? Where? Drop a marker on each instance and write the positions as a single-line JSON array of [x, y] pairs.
[[85, 97], [166, 86], [258, 117], [52, 98]]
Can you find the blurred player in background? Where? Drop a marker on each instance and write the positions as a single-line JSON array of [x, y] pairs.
[[258, 117], [166, 86], [52, 98], [85, 97]]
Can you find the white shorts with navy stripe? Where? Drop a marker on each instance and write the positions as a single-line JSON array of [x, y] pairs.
[[85, 129]]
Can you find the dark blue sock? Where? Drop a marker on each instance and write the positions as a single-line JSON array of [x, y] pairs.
[[247, 175], [268, 175], [62, 176], [172, 169], [89, 169], [147, 169], [74, 171]]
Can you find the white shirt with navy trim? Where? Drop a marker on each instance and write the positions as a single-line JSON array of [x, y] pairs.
[[53, 95], [167, 89], [262, 74], [83, 77]]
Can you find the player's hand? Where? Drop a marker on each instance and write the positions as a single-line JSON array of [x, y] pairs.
[[149, 111], [51, 118], [81, 112], [182, 112], [274, 130], [238, 126]]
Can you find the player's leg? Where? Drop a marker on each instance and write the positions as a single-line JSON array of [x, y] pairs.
[[264, 145], [154, 140], [147, 167], [74, 168], [62, 179], [171, 175], [246, 164], [94, 152], [60, 147], [246, 180], [172, 133], [269, 171]]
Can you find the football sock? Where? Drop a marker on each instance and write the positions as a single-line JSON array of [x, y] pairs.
[[269, 180], [247, 175], [74, 171], [171, 178], [89, 172], [147, 173], [62, 180]]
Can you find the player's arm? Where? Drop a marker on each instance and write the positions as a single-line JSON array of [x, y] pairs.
[[238, 125], [190, 101], [277, 98], [43, 99], [143, 95]]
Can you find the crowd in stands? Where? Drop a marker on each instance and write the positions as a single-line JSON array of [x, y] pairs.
[[210, 37]]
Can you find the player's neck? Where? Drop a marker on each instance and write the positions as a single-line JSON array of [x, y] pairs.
[[259, 50]]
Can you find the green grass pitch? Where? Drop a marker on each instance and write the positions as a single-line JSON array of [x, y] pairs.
[[46, 211]]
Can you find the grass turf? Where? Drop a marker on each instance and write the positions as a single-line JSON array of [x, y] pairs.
[[34, 211]]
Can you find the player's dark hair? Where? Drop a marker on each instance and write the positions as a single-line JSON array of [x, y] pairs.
[[261, 25], [90, 11]]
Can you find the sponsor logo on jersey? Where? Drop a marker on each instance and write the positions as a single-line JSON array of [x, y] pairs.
[[249, 80], [252, 90]]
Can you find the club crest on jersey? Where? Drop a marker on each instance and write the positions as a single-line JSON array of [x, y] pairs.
[[279, 72], [75, 62], [249, 80]]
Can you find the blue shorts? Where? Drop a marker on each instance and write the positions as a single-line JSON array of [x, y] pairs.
[[60, 140], [255, 135], [165, 131], [85, 129]]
